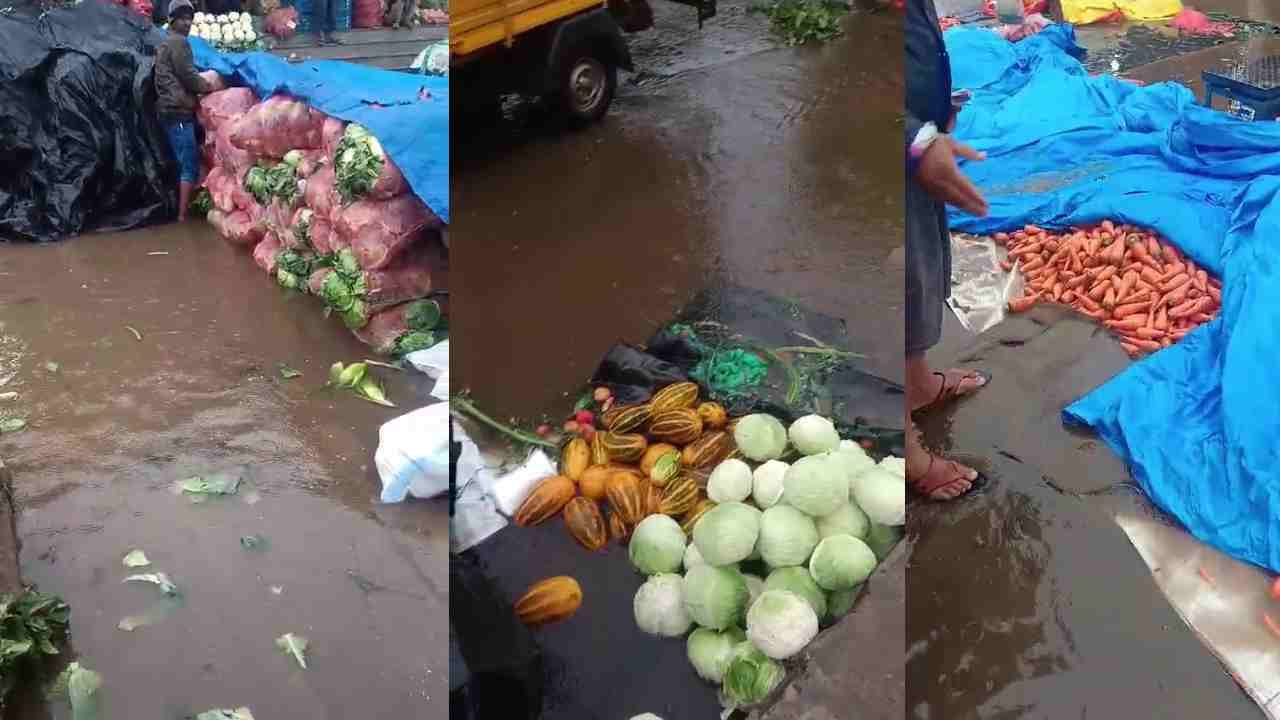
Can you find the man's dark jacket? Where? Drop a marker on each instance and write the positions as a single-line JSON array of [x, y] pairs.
[[928, 71]]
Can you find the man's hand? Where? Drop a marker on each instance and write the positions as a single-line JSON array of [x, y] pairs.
[[940, 176]]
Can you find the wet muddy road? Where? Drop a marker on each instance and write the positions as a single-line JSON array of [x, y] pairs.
[[728, 162], [115, 422], [1027, 600]]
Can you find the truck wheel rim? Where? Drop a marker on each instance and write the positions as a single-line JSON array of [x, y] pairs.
[[586, 83]]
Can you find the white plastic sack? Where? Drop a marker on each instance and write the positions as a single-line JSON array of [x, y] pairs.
[[475, 518], [434, 361], [510, 490], [413, 454]]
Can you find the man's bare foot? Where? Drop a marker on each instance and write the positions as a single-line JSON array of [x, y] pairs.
[[940, 479], [943, 387]]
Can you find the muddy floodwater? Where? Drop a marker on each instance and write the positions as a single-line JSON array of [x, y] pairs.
[[720, 162], [115, 421]]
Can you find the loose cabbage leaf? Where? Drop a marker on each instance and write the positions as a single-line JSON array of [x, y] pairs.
[[212, 485], [294, 645], [135, 559], [413, 342], [160, 580], [423, 315]]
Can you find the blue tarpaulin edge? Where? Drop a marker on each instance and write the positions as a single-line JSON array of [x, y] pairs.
[[1198, 422], [410, 118]]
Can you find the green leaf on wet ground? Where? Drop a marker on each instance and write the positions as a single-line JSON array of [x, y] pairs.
[[289, 373], [159, 610], [52, 366], [370, 390], [135, 559], [218, 484], [12, 425], [80, 686], [160, 580], [256, 543], [237, 714], [294, 645]]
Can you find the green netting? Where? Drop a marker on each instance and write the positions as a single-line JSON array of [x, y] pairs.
[[731, 373]]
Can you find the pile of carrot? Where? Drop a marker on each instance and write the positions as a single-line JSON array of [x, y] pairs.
[[1127, 278]]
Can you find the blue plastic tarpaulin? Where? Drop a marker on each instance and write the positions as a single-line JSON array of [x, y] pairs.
[[409, 114], [1198, 422]]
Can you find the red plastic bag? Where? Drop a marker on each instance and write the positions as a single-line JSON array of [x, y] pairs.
[[243, 199], [319, 194], [312, 160], [282, 22], [322, 235], [315, 283], [384, 328], [366, 13], [221, 186], [224, 105], [276, 126], [330, 135], [1194, 22], [379, 230], [390, 182], [234, 160], [238, 228], [264, 253], [288, 232], [415, 274]]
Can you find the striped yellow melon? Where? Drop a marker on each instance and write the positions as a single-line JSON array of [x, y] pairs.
[[624, 447], [679, 396], [678, 427], [625, 418]]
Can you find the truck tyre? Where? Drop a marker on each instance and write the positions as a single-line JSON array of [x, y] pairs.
[[586, 87]]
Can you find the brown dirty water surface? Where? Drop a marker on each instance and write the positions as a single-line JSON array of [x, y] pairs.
[[1026, 600], [778, 170], [115, 422]]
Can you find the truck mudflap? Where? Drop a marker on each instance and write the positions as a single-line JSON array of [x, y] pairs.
[[597, 28]]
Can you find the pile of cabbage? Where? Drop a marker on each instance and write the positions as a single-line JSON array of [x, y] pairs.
[[228, 31], [818, 526]]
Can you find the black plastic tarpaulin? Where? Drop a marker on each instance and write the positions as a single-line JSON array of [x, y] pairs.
[[83, 150]]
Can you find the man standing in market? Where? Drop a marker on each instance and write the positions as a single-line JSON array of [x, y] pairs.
[[934, 180], [326, 21], [178, 87]]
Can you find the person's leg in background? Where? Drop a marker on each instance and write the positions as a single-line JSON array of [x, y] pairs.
[[331, 22], [928, 278], [320, 14], [182, 138]]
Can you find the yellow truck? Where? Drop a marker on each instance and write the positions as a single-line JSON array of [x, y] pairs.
[[565, 51]]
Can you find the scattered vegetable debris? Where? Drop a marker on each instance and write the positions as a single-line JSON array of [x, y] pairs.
[[135, 559], [294, 645], [160, 580], [289, 373], [136, 335], [12, 425], [80, 686], [212, 485], [237, 714]]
